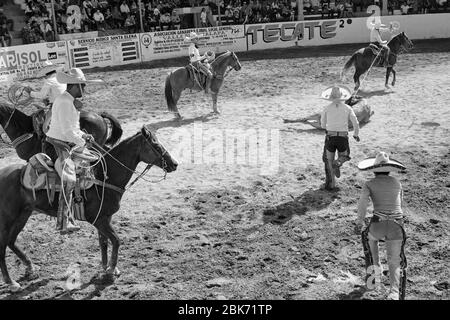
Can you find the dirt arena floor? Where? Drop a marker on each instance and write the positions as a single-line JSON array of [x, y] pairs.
[[249, 231]]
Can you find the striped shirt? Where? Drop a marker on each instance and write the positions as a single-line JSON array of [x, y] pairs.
[[386, 194]]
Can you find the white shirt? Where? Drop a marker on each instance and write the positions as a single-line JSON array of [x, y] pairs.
[[335, 117], [65, 121], [203, 16], [50, 90], [98, 16], [375, 35], [194, 54]]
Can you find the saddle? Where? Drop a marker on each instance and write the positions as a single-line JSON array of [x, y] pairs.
[[377, 52], [198, 74], [40, 173]]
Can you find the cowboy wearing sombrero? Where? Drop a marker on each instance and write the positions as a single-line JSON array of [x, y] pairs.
[[386, 193], [51, 87], [335, 120], [65, 135], [200, 61], [375, 39]]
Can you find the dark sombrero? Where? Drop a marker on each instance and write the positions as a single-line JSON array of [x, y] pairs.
[[381, 163]]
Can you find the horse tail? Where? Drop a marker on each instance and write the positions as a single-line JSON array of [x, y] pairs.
[[117, 131], [348, 64], [171, 105]]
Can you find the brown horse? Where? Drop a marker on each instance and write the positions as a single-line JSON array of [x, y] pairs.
[[17, 203], [27, 142], [185, 78], [364, 59]]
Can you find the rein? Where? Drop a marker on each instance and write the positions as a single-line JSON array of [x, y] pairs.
[[144, 172]]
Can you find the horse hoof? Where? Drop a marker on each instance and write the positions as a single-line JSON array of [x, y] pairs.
[[216, 111], [14, 287], [113, 272]]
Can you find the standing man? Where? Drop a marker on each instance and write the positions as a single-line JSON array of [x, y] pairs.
[[375, 38], [65, 135], [386, 193], [335, 120]]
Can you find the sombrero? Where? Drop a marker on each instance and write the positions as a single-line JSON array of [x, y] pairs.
[[336, 93], [74, 76], [381, 163], [47, 68], [192, 36]]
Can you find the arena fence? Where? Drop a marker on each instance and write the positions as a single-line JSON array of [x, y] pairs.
[[22, 62]]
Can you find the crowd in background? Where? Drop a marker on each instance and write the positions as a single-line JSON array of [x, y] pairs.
[[103, 15]]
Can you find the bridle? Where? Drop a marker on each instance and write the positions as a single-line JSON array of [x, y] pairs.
[[147, 168], [229, 68]]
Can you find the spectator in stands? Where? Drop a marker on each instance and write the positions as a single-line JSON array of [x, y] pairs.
[[203, 18], [340, 7], [5, 36], [325, 8], [151, 22], [125, 10], [404, 8], [357, 4], [36, 33], [99, 19], [307, 6], [130, 23], [117, 16], [165, 21], [229, 14], [315, 4], [348, 8], [47, 31], [175, 19]]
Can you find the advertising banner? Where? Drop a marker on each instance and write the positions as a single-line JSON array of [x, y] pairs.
[[22, 62], [104, 51], [172, 43]]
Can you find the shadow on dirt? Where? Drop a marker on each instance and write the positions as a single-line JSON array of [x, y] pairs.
[[357, 294], [375, 93], [175, 123], [310, 200], [32, 287]]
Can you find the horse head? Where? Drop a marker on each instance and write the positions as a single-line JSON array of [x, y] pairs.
[[225, 60], [236, 65], [404, 41], [154, 153]]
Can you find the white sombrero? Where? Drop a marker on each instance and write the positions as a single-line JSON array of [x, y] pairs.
[[47, 68], [192, 36], [74, 76], [381, 163], [336, 93]]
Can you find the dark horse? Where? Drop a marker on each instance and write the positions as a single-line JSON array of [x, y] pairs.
[[184, 78], [17, 203], [27, 142], [363, 59]]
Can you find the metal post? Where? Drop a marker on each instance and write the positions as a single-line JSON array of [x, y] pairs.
[[55, 28], [140, 16], [384, 11], [219, 17], [300, 16]]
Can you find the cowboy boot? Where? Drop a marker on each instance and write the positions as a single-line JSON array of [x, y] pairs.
[[375, 269], [68, 222]]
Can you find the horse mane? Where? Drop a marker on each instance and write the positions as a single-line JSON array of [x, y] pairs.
[[21, 120], [222, 56]]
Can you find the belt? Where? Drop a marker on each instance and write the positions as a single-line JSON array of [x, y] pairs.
[[337, 133], [382, 216]]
